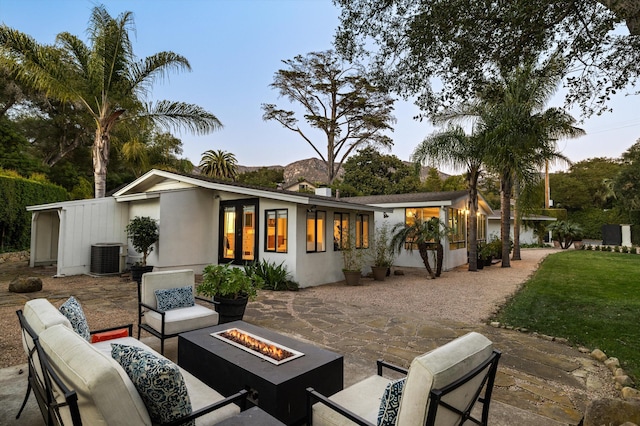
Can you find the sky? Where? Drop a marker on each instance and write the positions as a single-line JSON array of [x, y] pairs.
[[236, 46]]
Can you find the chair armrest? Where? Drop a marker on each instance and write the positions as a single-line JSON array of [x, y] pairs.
[[151, 308], [382, 363], [129, 327], [240, 397], [313, 396]]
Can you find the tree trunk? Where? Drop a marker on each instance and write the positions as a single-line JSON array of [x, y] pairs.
[[505, 217], [439, 258], [472, 232], [424, 254], [100, 153], [516, 222]]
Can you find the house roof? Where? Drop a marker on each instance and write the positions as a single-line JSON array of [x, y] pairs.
[[417, 199], [143, 188]]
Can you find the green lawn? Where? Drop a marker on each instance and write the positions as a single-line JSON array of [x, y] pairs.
[[590, 298]]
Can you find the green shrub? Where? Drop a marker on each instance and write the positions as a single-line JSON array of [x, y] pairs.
[[274, 277], [16, 194], [589, 247], [624, 249]]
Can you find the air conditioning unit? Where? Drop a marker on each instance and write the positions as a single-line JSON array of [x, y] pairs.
[[105, 258]]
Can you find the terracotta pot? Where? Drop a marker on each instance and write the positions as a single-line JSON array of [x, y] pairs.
[[379, 272], [352, 277]]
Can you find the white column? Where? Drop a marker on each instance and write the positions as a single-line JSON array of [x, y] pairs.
[[626, 235]]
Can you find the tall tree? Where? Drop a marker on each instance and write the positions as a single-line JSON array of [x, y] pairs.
[[338, 100], [219, 164], [461, 41], [373, 173], [522, 133], [453, 147], [104, 79]]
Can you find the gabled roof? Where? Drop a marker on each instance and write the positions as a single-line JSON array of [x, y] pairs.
[[150, 186]]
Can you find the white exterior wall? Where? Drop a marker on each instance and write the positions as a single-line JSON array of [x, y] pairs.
[[526, 235], [323, 267], [188, 233], [289, 258], [83, 224]]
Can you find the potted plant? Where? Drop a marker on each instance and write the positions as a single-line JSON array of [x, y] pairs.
[[230, 288], [565, 233], [143, 233], [383, 254], [352, 259]]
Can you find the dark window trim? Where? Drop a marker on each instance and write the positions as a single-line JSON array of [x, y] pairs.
[[266, 231]]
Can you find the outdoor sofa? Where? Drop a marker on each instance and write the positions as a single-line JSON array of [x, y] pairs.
[[77, 382]]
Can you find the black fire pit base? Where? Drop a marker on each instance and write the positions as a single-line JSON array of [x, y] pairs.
[[277, 389]]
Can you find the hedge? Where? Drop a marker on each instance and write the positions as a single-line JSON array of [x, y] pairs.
[[16, 194]]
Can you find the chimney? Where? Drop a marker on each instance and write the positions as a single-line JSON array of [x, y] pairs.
[[324, 192]]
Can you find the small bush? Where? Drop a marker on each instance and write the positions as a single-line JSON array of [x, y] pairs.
[[624, 249], [589, 247], [597, 248], [275, 277], [616, 249]]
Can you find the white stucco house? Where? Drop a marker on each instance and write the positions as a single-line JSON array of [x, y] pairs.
[[451, 207], [203, 221]]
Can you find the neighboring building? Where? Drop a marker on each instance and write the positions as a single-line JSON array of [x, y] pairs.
[[300, 186], [451, 207], [527, 236], [202, 221]]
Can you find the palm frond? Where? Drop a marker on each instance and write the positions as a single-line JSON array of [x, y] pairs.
[[180, 115]]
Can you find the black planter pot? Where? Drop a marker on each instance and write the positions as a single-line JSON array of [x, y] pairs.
[[137, 271], [230, 309], [480, 263], [488, 260]]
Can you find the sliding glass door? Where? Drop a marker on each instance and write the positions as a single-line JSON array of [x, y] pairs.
[[238, 231]]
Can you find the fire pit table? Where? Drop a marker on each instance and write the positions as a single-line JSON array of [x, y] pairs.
[[276, 386]]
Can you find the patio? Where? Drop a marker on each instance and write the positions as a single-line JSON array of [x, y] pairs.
[[539, 381]]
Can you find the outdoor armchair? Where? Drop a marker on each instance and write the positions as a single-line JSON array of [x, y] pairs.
[[441, 388], [166, 305]]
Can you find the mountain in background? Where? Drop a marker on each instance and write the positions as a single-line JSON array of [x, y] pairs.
[[315, 171]]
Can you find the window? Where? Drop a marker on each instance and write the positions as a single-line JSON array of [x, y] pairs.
[[315, 231], [277, 228], [340, 230], [458, 226], [482, 227], [362, 231], [422, 214]]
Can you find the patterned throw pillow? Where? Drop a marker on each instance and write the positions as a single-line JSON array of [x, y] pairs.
[[157, 380], [390, 403], [173, 298], [74, 313]]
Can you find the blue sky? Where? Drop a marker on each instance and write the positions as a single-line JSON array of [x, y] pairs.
[[236, 46]]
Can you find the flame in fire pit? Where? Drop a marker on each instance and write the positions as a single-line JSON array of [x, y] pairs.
[[272, 352]]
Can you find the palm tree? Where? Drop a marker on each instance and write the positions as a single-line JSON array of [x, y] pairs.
[[521, 134], [422, 234], [104, 79], [219, 164], [455, 148]]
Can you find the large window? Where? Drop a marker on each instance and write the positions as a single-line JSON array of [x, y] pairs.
[[340, 230], [277, 228], [362, 231], [458, 226], [420, 213], [315, 231]]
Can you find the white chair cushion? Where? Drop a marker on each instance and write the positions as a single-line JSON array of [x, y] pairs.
[[438, 368], [362, 398], [104, 396], [202, 395], [41, 314], [182, 319]]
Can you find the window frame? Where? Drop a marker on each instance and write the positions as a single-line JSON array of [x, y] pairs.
[[340, 243], [457, 222], [313, 215], [362, 231], [277, 232]]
